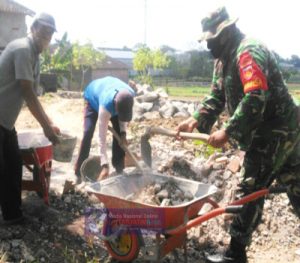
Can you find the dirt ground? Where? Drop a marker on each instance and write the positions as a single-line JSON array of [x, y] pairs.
[[56, 233]]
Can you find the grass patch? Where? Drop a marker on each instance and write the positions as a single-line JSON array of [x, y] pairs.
[[294, 89], [188, 91]]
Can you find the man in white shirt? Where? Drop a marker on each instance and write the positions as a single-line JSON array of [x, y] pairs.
[[106, 99]]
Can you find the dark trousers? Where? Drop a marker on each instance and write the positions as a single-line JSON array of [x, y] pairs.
[[10, 174], [259, 171], [89, 124]]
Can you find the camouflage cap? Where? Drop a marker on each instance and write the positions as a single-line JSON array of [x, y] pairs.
[[214, 23]]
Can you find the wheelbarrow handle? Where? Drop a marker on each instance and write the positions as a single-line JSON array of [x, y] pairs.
[[234, 207], [185, 135]]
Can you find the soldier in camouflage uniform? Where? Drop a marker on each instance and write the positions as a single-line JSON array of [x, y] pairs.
[[264, 121]]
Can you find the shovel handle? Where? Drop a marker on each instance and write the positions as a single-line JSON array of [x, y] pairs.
[[125, 148], [186, 135]]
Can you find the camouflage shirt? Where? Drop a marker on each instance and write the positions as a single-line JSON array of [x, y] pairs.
[[250, 85]]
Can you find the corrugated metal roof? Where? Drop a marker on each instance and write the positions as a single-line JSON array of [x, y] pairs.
[[11, 6], [117, 53], [111, 63]]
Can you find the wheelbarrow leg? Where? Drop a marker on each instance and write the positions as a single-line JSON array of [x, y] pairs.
[[185, 252], [158, 240]]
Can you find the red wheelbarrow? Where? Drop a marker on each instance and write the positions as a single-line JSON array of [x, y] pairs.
[[36, 152], [126, 223]]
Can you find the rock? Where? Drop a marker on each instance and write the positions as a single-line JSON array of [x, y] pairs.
[[179, 194], [227, 174], [162, 93], [182, 114], [151, 115], [163, 194], [218, 166], [234, 164], [188, 195], [157, 188], [222, 159], [147, 97], [15, 243], [147, 106], [165, 202], [167, 111], [68, 199]]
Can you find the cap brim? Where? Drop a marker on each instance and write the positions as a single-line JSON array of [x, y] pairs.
[[209, 35], [47, 25]]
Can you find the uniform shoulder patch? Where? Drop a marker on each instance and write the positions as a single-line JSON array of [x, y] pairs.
[[251, 74]]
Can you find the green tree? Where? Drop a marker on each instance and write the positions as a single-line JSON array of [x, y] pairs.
[[146, 60], [57, 58], [295, 60], [85, 57], [201, 64]]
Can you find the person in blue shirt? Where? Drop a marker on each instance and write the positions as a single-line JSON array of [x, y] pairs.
[[106, 99]]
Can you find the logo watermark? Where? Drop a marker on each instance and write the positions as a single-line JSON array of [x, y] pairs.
[[102, 222]]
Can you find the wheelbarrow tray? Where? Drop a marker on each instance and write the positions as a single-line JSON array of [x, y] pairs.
[[36, 151], [112, 192], [31, 142]]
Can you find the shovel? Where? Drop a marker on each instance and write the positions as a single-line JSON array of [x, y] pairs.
[[125, 149], [146, 150]]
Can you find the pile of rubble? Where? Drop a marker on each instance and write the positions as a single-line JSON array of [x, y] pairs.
[[162, 194], [153, 104]]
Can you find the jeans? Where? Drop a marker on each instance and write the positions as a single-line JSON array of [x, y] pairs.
[[90, 120]]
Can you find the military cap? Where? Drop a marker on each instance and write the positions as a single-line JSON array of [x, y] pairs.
[[214, 23]]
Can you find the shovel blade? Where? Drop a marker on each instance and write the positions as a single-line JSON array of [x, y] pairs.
[[146, 150]]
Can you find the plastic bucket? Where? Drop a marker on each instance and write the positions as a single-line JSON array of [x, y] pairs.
[[90, 169], [63, 151]]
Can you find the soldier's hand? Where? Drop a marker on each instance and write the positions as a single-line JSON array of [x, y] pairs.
[[218, 138], [186, 126]]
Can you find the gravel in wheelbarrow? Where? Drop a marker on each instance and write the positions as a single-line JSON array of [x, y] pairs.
[[129, 214]]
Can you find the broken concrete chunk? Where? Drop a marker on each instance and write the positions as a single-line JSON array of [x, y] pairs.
[[188, 195], [163, 194], [178, 194], [223, 159], [165, 202], [234, 164], [157, 188]]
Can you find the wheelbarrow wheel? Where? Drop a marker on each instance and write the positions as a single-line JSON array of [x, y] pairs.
[[126, 246]]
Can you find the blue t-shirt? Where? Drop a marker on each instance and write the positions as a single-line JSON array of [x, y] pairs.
[[101, 92]]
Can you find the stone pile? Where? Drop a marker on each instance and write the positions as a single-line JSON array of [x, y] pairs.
[[153, 104]]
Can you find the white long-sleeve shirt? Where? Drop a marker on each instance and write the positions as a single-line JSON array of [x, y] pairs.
[[103, 118]]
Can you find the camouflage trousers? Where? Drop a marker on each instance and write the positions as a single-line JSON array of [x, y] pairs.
[[279, 160]]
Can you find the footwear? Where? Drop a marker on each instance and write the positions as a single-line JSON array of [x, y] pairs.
[[236, 253]]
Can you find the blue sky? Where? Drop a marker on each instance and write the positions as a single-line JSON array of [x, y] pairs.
[[118, 23]]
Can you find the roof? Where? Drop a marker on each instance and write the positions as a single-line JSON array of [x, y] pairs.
[[11, 6], [118, 53], [111, 63]]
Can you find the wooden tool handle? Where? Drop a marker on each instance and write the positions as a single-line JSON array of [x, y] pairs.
[[125, 148], [186, 135]]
